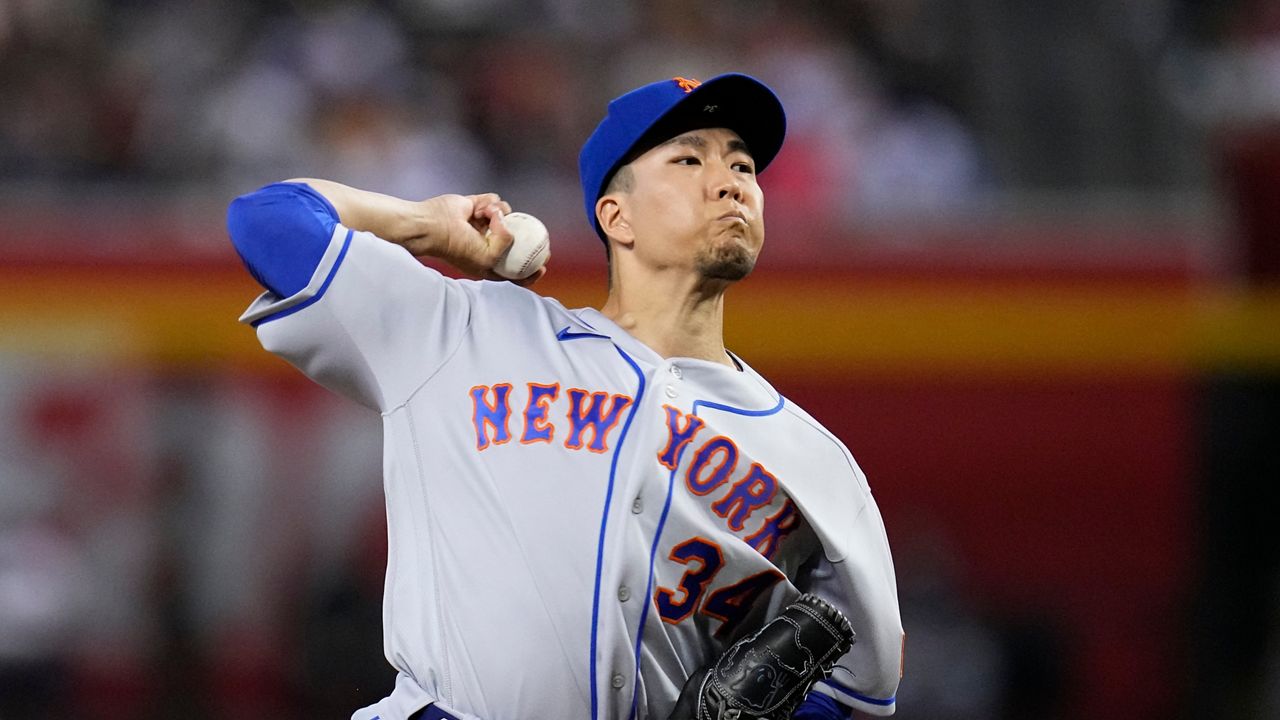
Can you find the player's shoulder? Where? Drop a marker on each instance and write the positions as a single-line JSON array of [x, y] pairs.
[[802, 417], [819, 473], [514, 308], [812, 439], [800, 424], [508, 293], [791, 412], [816, 431]]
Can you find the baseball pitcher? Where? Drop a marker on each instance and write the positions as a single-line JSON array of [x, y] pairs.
[[592, 514]]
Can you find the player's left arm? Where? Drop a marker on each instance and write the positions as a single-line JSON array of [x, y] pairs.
[[864, 588]]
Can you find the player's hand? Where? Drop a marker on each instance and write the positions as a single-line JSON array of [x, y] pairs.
[[466, 231]]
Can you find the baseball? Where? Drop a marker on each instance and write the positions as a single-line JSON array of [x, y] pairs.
[[530, 250]]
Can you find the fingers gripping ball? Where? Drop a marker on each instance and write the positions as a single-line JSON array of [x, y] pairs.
[[530, 250], [766, 675]]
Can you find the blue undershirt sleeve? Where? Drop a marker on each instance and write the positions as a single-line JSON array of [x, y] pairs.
[[281, 232], [817, 706]]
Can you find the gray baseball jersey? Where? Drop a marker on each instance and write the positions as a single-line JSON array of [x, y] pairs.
[[576, 523]]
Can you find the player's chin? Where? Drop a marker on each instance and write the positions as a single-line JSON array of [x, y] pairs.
[[727, 261]]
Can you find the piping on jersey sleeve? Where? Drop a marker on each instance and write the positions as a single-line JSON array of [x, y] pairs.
[[270, 306], [305, 299], [377, 325], [847, 693]]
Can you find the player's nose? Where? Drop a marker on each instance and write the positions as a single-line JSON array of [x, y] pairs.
[[726, 185]]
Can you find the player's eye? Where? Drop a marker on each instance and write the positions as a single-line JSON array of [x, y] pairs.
[[687, 160], [744, 166]]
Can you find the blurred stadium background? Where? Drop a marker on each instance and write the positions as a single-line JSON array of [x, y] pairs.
[[1024, 257]]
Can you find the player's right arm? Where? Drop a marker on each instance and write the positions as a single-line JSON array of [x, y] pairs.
[[345, 300], [452, 228]]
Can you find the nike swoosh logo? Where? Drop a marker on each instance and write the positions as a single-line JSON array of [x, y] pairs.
[[565, 334]]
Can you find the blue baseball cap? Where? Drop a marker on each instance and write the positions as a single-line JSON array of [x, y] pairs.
[[662, 110]]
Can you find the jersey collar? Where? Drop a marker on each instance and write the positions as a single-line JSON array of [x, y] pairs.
[[746, 390]]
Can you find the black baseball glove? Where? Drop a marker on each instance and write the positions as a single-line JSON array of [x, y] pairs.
[[767, 674]]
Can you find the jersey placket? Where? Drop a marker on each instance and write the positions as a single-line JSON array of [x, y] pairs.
[[649, 494], [641, 509]]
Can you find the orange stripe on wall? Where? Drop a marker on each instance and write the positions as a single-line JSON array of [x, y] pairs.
[[187, 319], [981, 327], [829, 324]]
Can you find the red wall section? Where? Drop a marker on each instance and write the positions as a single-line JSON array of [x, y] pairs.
[[1069, 502]]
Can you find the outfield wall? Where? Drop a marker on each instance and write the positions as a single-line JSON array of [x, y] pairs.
[[1034, 434]]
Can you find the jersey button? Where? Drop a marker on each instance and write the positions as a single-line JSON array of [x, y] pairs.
[[637, 505], [617, 681], [677, 372], [624, 593], [671, 391]]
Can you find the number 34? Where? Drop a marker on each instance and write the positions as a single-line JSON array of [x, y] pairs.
[[729, 604]]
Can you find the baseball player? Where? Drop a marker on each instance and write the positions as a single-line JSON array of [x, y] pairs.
[[584, 506]]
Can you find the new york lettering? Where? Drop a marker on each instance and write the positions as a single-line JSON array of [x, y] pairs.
[[712, 472], [589, 417]]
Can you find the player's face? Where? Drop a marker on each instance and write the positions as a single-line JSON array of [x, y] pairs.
[[695, 204]]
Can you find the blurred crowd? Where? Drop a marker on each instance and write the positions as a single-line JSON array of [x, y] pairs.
[[419, 97], [895, 106]]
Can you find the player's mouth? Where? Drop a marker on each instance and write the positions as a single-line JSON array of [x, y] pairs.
[[734, 217]]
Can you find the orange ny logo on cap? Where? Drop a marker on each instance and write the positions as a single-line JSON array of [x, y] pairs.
[[687, 84]]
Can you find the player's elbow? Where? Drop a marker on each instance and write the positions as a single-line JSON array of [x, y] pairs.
[[280, 215], [246, 221], [281, 232]]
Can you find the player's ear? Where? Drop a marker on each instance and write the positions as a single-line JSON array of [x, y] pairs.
[[611, 213]]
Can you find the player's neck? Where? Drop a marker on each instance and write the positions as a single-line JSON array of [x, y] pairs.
[[673, 318]]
